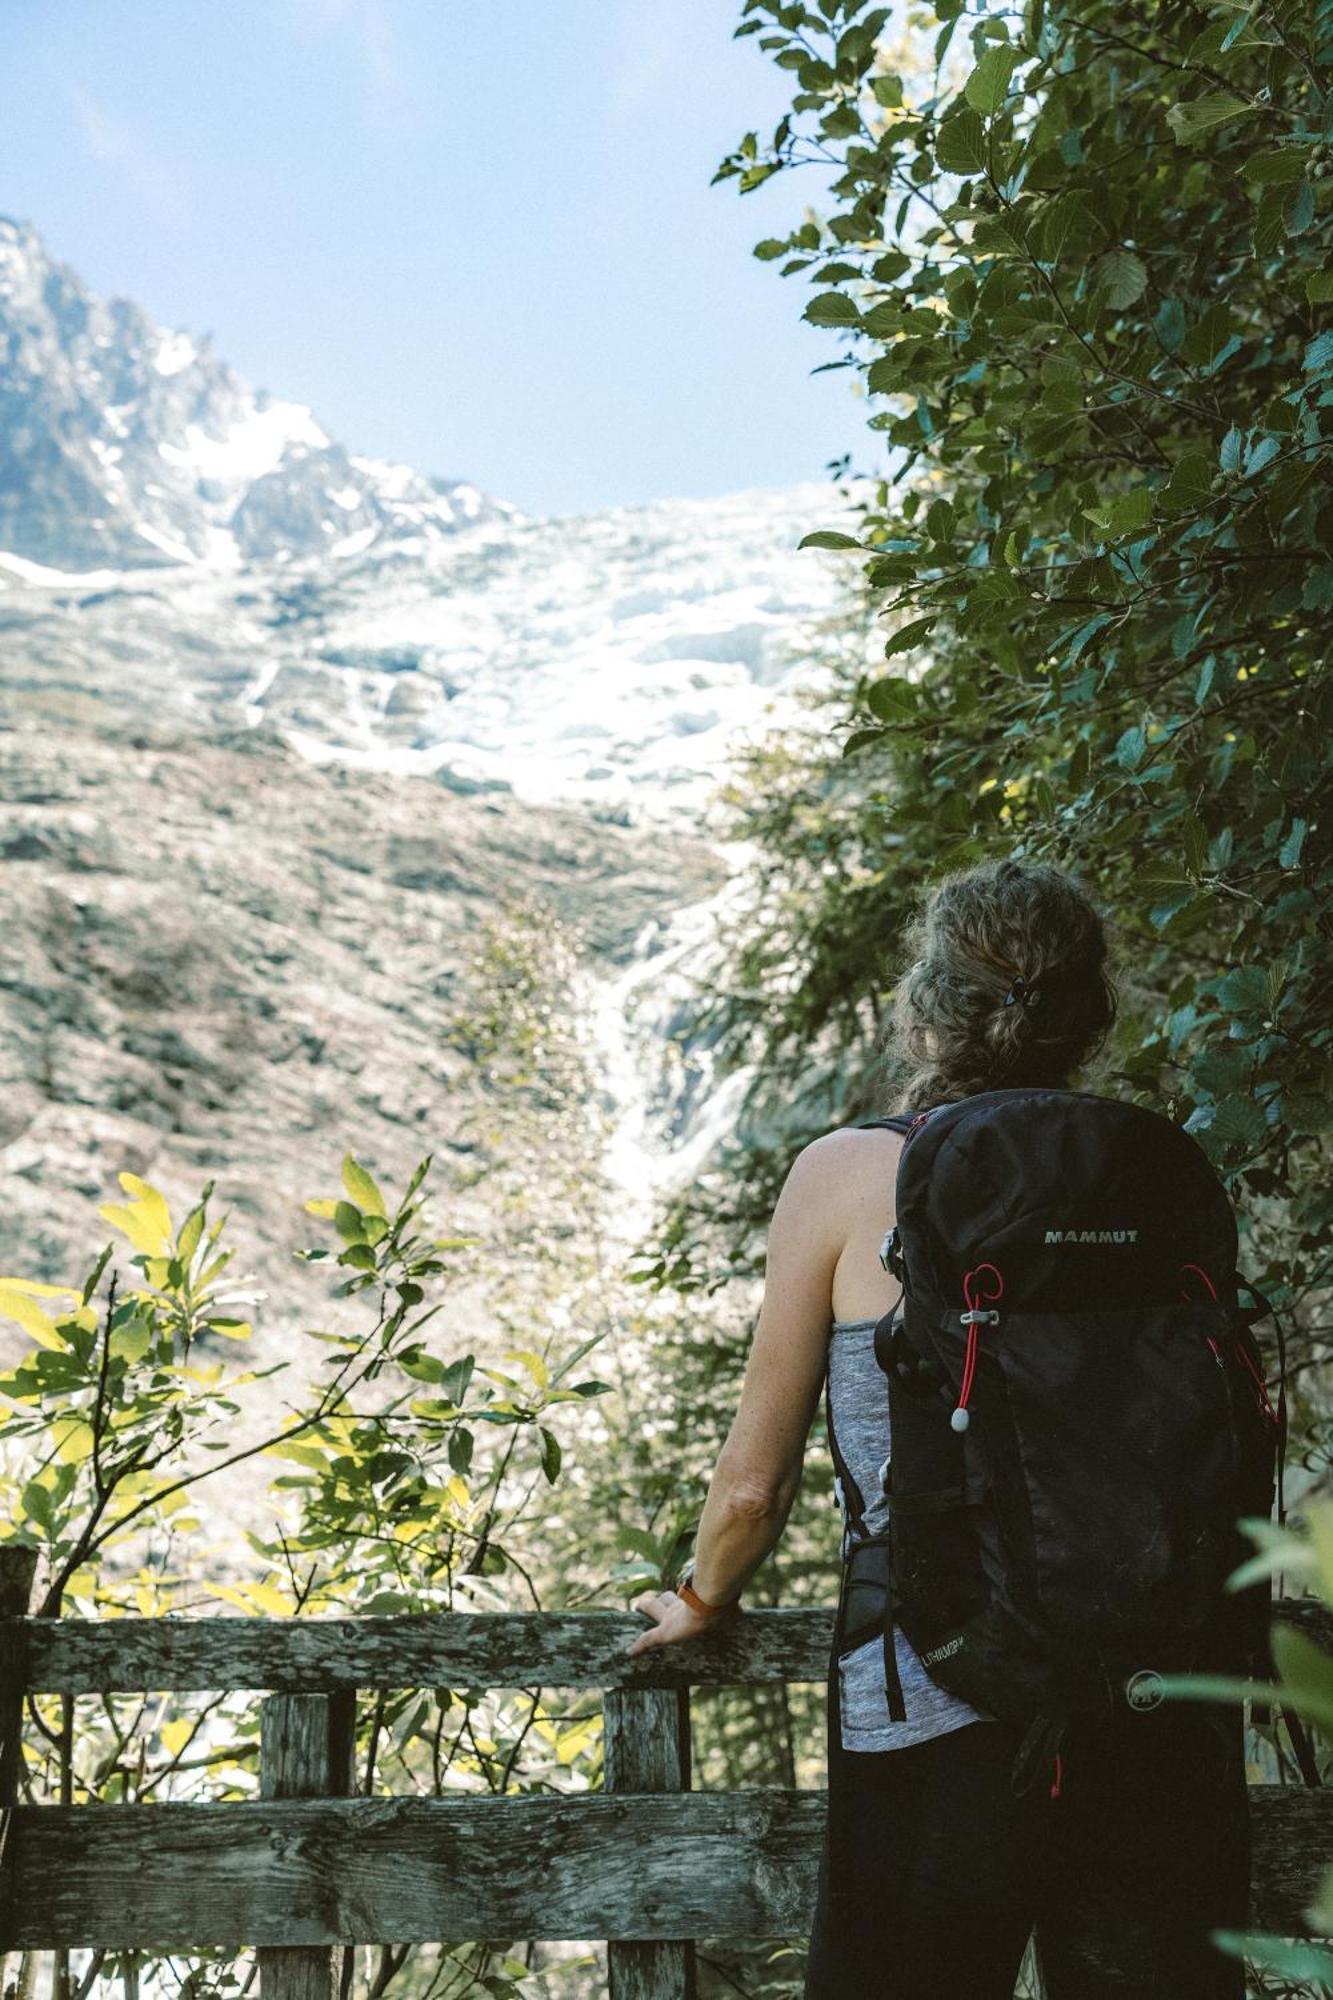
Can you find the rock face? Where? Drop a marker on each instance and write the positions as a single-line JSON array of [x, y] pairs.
[[127, 444], [218, 961]]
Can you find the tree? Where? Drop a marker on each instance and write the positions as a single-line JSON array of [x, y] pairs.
[[1077, 258]]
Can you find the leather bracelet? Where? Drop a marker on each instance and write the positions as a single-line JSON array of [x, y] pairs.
[[685, 1590]]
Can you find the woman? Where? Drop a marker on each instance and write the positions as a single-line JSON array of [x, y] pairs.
[[933, 1874]]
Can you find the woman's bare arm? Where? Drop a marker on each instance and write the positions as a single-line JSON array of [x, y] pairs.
[[758, 1470]]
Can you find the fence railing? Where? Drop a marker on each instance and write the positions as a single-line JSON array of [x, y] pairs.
[[305, 1868]]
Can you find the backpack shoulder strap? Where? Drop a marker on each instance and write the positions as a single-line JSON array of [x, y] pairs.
[[897, 1124]]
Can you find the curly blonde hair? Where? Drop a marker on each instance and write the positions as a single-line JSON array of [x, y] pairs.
[[1009, 985]]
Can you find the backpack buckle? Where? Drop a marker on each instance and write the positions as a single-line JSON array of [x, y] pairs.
[[890, 1254]]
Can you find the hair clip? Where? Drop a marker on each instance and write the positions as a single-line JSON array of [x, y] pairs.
[[1019, 990]]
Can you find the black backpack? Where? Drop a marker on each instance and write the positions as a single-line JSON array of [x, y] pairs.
[[1077, 1411]]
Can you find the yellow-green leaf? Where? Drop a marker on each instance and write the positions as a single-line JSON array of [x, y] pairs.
[[192, 1230], [360, 1185], [142, 1226], [73, 1440], [16, 1305], [534, 1364], [1306, 1672], [175, 1734]]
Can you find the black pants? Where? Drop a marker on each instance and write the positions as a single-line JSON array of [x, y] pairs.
[[933, 1874]]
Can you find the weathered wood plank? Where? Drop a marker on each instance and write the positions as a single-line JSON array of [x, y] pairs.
[[18, 1567], [397, 1871], [305, 1752], [483, 1649], [647, 1749]]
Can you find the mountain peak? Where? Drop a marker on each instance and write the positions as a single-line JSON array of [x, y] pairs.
[[126, 443]]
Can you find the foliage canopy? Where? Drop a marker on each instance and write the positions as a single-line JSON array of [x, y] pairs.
[[1078, 258]]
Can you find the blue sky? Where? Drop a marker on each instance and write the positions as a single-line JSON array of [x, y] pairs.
[[476, 235]]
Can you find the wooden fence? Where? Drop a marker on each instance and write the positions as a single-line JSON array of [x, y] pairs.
[[648, 1864]]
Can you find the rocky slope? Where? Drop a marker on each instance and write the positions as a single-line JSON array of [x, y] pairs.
[[218, 961]]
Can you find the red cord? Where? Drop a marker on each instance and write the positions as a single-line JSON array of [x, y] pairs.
[[1265, 1400], [973, 1297], [1058, 1780], [1212, 1288]]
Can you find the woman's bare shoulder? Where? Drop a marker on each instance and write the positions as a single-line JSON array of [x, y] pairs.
[[846, 1157]]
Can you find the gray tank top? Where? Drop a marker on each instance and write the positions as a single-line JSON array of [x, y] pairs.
[[859, 1413]]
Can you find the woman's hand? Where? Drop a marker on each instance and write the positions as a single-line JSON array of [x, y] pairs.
[[676, 1622]]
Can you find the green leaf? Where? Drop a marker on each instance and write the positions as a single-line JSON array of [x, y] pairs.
[[1190, 484], [832, 309], [1084, 634], [1238, 1121], [1169, 324], [1298, 209], [1306, 1672], [1131, 747], [1319, 288], [1202, 115], [828, 538], [1277, 167], [35, 1500], [347, 1222], [1289, 853], [891, 700], [1287, 1958], [1318, 357], [988, 85], [1244, 991], [551, 1454], [1122, 276], [960, 147], [1125, 514], [908, 636]]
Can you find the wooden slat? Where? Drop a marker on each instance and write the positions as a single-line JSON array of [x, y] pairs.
[[398, 1871], [492, 1649], [18, 1567], [483, 1649], [305, 1752], [647, 1749]]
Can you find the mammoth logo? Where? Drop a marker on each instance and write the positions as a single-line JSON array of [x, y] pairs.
[[1143, 1690]]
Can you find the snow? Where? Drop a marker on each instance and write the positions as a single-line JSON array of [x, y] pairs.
[[252, 446], [174, 352], [167, 543], [43, 577], [617, 658], [354, 544]]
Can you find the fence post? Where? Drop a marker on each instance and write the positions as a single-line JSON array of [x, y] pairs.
[[306, 1745], [18, 1566], [647, 1749]]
